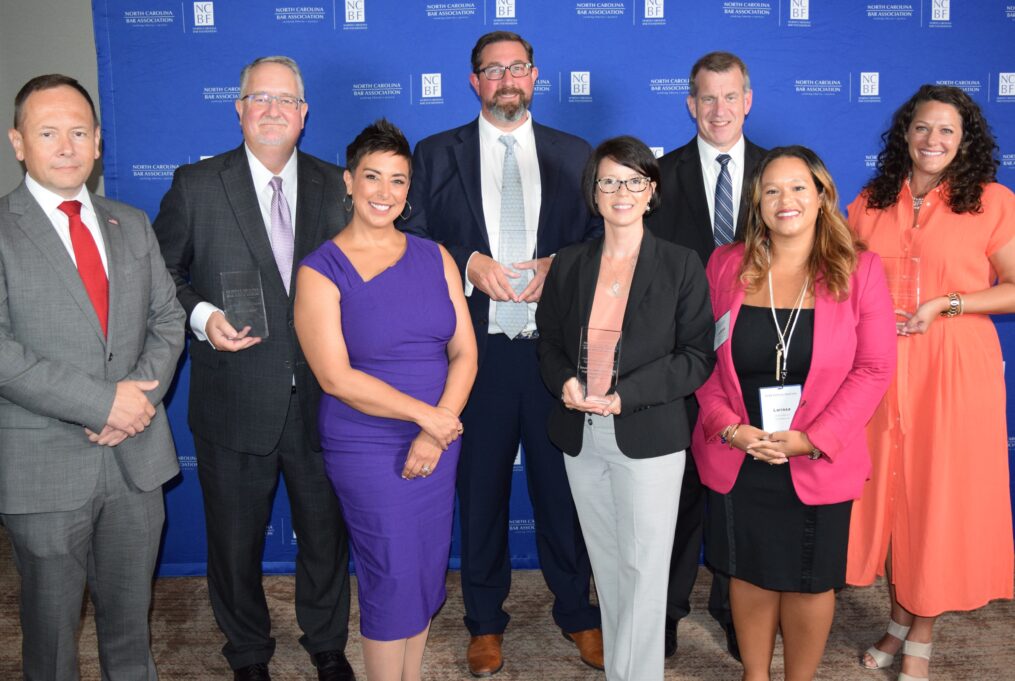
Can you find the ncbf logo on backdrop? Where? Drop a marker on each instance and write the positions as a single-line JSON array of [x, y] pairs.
[[1006, 85], [430, 88], [505, 9], [870, 84], [431, 84], [655, 9], [355, 11], [204, 14], [581, 87], [581, 84], [870, 87], [799, 10], [940, 10]]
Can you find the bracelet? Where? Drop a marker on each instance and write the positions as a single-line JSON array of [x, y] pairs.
[[724, 435], [954, 308], [733, 435]]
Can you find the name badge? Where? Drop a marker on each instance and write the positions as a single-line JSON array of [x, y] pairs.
[[778, 406], [722, 330]]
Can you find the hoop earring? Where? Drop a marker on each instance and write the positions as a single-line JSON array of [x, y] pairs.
[[347, 203], [404, 215]]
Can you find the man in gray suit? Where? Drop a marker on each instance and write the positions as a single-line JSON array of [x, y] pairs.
[[260, 209], [90, 333]]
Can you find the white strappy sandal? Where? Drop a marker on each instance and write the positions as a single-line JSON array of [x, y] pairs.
[[880, 657], [915, 649]]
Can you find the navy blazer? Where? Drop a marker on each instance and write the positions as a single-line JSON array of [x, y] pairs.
[[682, 216], [447, 200]]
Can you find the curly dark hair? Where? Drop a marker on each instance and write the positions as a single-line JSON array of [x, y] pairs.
[[974, 164]]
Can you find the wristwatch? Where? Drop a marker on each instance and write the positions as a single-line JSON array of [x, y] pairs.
[[815, 454]]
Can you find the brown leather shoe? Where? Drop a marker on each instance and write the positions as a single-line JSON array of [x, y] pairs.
[[590, 646], [484, 655]]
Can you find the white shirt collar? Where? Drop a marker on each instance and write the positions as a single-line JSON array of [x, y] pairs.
[[708, 153], [524, 136], [50, 201], [262, 176]]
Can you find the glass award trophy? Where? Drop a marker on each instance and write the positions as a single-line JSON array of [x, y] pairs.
[[903, 275], [598, 363], [243, 302]]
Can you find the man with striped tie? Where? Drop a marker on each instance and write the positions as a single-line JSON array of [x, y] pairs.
[[704, 190]]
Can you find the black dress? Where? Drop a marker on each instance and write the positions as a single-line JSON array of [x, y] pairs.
[[760, 531]]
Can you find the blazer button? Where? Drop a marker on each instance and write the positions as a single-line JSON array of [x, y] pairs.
[[590, 422]]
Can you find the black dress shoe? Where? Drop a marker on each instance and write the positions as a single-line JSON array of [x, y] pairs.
[[670, 637], [332, 665], [254, 672], [731, 641]]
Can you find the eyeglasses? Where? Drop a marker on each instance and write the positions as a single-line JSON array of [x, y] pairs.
[[611, 185], [496, 71], [263, 100]]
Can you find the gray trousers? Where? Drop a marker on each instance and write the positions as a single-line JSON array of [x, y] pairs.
[[110, 544], [628, 512]]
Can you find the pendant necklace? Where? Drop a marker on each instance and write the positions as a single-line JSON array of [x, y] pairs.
[[616, 288], [785, 334]]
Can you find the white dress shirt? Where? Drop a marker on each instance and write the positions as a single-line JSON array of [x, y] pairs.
[[491, 167], [50, 202], [262, 187], [710, 173]]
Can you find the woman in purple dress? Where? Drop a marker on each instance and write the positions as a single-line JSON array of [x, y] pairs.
[[383, 322]]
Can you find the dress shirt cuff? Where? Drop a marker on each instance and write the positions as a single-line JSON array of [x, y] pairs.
[[465, 275], [199, 320]]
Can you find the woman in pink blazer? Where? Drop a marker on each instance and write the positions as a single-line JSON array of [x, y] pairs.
[[805, 344]]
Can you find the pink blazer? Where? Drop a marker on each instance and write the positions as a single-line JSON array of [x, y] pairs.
[[852, 363]]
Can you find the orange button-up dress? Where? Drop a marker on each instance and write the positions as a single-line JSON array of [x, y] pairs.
[[938, 491]]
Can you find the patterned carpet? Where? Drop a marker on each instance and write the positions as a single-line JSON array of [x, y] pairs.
[[968, 646]]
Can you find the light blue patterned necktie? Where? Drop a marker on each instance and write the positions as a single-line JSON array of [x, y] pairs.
[[723, 203], [512, 317]]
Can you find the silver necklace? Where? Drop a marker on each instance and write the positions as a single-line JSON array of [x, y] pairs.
[[617, 287]]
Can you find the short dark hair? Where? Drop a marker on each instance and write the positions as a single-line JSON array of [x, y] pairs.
[[719, 62], [627, 151], [497, 37], [380, 136], [49, 82]]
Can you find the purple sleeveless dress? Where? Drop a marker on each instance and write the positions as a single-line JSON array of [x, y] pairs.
[[396, 327]]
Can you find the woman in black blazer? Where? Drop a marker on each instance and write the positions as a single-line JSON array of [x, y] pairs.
[[625, 437]]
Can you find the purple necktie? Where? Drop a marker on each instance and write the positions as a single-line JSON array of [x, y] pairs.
[[281, 232]]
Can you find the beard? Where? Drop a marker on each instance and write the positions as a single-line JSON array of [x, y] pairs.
[[509, 113]]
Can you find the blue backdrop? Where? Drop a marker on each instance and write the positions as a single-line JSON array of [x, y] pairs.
[[825, 73]]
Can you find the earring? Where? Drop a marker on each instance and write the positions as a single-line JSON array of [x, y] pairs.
[[347, 203], [404, 215]]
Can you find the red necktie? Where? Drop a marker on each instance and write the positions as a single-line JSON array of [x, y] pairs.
[[89, 262]]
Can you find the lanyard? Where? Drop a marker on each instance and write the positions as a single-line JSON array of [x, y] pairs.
[[786, 334]]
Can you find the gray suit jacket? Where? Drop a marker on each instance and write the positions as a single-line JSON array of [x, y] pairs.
[[58, 373], [210, 223]]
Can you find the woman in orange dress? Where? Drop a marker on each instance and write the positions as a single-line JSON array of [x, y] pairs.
[[936, 513]]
